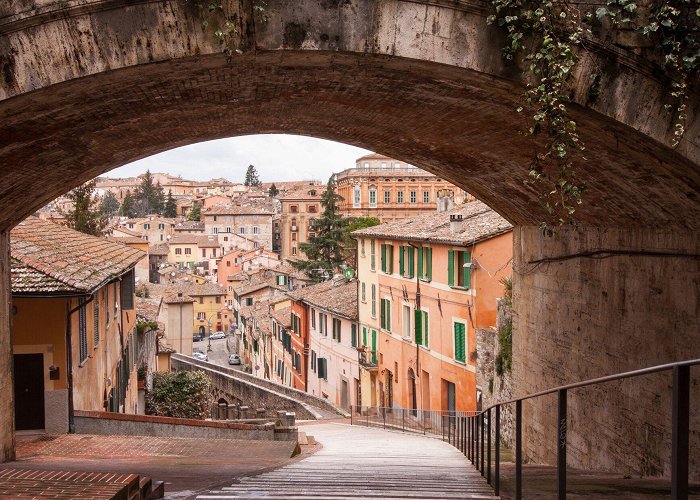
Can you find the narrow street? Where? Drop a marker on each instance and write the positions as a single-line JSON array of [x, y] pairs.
[[361, 462]]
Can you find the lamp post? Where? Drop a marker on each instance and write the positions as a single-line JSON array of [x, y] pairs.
[[209, 346]]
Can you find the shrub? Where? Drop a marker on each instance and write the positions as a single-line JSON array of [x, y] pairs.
[[179, 394]]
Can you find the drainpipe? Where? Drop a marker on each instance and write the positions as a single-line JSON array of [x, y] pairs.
[[69, 362]]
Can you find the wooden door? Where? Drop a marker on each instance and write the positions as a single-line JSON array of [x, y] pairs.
[[29, 391]]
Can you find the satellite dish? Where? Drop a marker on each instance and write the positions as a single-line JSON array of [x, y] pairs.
[[349, 273]]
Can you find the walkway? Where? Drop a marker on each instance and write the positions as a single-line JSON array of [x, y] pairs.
[[360, 462]]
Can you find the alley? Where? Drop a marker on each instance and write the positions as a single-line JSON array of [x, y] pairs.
[[360, 462]]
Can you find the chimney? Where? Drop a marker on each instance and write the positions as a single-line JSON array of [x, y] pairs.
[[456, 223]]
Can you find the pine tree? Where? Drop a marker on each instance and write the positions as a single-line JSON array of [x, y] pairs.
[[128, 208], [158, 202], [251, 177], [85, 216], [170, 207], [194, 214], [324, 251], [109, 205], [273, 191], [146, 196]]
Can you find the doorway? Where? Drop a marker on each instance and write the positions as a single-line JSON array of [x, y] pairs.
[[29, 391], [412, 391], [344, 394]]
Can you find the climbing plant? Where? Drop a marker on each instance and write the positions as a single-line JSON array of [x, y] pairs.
[[223, 25], [673, 27], [548, 38]]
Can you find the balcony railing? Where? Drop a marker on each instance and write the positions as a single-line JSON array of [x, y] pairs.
[[472, 433]]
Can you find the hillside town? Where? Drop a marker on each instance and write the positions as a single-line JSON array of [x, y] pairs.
[[225, 278]]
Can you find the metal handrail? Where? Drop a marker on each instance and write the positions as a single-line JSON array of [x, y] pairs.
[[472, 430]]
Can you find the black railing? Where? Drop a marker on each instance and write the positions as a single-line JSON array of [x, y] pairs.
[[440, 423], [471, 432]]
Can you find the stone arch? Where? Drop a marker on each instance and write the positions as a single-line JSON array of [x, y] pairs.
[[88, 87]]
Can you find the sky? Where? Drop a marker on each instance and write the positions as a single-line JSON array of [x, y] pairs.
[[276, 158]]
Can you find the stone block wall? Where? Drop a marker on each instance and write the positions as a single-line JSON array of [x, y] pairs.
[[591, 302], [495, 388]]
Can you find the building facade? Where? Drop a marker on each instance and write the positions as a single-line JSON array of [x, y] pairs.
[[298, 211], [74, 319], [382, 187], [437, 281]]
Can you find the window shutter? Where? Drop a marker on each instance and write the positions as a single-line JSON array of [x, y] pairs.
[[451, 268], [411, 261], [127, 290], [382, 318], [467, 271], [426, 329], [388, 315], [383, 258], [353, 335], [339, 325], [402, 267], [419, 326], [459, 342], [420, 262], [374, 346], [364, 336], [429, 263], [390, 259], [96, 318]]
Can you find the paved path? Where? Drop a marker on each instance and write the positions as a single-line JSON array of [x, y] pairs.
[[360, 462]]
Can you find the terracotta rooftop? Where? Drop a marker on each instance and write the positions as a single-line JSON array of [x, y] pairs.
[[48, 257], [197, 290], [338, 296], [283, 316], [195, 239], [252, 209], [158, 249], [127, 240], [479, 222], [303, 193], [190, 225]]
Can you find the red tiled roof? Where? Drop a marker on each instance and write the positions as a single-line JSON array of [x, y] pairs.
[[337, 296], [79, 262]]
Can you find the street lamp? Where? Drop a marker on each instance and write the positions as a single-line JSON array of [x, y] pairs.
[[209, 346]]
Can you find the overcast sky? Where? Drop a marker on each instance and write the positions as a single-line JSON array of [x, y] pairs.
[[276, 158]]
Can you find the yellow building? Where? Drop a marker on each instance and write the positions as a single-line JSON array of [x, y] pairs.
[[209, 300], [76, 345]]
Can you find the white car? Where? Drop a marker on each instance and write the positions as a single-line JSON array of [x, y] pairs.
[[200, 356], [217, 335], [234, 359]]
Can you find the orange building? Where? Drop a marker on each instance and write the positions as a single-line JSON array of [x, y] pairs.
[[299, 209], [426, 284], [388, 189]]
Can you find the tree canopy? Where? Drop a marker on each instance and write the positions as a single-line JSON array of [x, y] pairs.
[[251, 177], [85, 216], [273, 191], [324, 251], [194, 214], [170, 206], [109, 205]]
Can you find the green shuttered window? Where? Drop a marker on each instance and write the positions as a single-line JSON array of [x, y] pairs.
[[422, 327], [460, 342]]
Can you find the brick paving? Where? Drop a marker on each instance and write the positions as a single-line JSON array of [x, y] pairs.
[[16, 483], [187, 465]]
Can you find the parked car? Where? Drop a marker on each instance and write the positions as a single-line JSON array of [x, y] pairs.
[[234, 359], [217, 335], [200, 356], [197, 337]]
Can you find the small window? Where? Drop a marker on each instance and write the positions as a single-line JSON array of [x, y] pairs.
[[336, 329], [147, 226], [387, 196], [426, 196], [363, 295], [294, 209], [312, 209], [241, 230], [413, 197], [178, 251], [256, 230], [399, 197], [161, 226], [294, 250], [372, 197], [188, 251], [372, 256]]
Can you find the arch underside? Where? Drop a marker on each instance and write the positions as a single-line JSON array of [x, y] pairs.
[[457, 123]]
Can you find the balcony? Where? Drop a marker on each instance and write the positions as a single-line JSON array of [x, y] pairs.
[[367, 359]]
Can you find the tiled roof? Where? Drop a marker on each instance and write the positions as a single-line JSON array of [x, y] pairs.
[[190, 225], [175, 297], [479, 223], [252, 209], [196, 290], [303, 193], [195, 239], [158, 249], [337, 296], [82, 263], [283, 316], [133, 240]]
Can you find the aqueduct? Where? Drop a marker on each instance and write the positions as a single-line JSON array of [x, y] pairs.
[[88, 85]]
